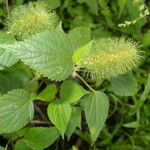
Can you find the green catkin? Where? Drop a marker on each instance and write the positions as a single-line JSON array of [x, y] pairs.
[[106, 58], [31, 18]]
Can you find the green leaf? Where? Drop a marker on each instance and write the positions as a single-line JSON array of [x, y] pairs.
[[6, 38], [80, 36], [53, 3], [80, 52], [12, 79], [48, 94], [106, 12], [146, 38], [31, 87], [75, 121], [74, 148], [140, 103], [19, 2], [83, 20], [102, 3], [134, 124], [1, 148], [96, 107], [100, 32], [121, 4], [2, 1], [22, 145], [16, 111], [59, 113], [133, 11], [93, 5], [7, 58], [71, 91], [124, 85], [41, 137], [49, 53]]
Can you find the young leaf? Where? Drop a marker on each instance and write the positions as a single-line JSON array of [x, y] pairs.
[[16, 110], [124, 85], [71, 91], [48, 94], [59, 113], [80, 36], [96, 107], [22, 145], [49, 53], [41, 137], [134, 124], [75, 121]]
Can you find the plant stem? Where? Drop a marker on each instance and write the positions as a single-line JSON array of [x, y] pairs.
[[7, 7], [85, 82], [6, 147], [34, 79], [40, 122]]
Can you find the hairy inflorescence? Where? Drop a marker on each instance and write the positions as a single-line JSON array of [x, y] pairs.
[[31, 18], [106, 58]]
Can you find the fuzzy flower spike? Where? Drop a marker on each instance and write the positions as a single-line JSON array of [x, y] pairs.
[[106, 58], [31, 18]]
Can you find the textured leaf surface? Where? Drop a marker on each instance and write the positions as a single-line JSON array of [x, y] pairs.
[[7, 58], [80, 36], [124, 85], [49, 53], [75, 121], [59, 113], [48, 94], [22, 145], [16, 111], [71, 91], [12, 79], [31, 87], [6, 38], [96, 107], [41, 137]]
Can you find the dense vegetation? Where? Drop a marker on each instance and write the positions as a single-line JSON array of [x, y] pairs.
[[74, 74]]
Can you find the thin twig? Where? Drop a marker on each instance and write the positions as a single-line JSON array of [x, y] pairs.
[[6, 147], [40, 122], [85, 82], [40, 113], [34, 79]]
